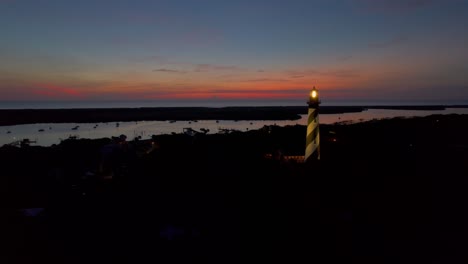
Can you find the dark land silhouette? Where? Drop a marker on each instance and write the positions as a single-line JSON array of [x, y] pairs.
[[32, 116], [385, 191]]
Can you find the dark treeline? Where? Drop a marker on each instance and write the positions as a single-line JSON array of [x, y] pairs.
[[32, 116], [29, 116], [389, 191]]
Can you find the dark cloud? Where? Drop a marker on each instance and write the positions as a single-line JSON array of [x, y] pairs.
[[332, 73], [341, 73], [169, 70], [254, 91], [266, 80], [214, 67]]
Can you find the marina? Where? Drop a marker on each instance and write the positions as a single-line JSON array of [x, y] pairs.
[[145, 129]]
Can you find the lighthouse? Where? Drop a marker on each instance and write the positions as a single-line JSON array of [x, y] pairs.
[[312, 151]]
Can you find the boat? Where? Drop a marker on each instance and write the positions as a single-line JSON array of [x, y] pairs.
[[190, 132], [41, 130]]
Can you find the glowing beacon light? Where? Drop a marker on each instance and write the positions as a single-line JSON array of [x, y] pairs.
[[313, 133], [313, 94]]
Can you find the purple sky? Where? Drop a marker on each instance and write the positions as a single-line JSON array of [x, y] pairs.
[[352, 50]]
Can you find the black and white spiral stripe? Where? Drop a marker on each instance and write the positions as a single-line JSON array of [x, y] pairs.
[[313, 134]]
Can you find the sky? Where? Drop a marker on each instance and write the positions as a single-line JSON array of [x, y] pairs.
[[351, 50]]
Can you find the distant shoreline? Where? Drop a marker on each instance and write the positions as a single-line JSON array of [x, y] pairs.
[[99, 115]]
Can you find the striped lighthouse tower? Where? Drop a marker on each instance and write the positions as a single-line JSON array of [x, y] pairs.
[[313, 135]]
